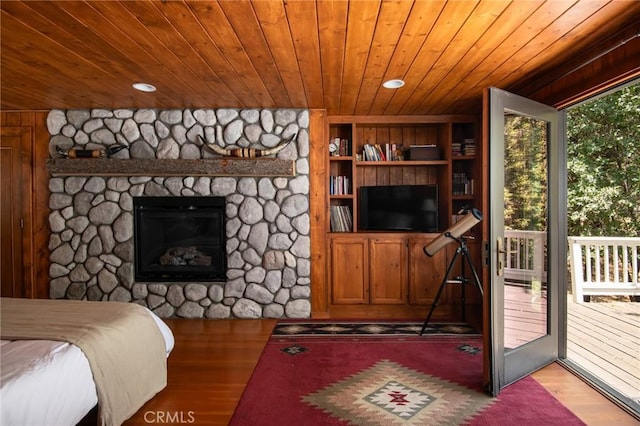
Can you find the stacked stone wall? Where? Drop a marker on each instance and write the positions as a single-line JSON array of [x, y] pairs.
[[267, 218]]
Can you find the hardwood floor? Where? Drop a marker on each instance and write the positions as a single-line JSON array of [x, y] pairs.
[[587, 403], [207, 371], [213, 360]]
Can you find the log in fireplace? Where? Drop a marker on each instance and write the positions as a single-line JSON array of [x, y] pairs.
[[179, 239]]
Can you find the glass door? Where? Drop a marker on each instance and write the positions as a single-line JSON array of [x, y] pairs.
[[524, 244]]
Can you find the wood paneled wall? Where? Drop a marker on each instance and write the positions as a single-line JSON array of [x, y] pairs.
[[36, 245], [318, 178]]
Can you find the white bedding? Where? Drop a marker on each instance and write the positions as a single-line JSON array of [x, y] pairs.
[[44, 382]]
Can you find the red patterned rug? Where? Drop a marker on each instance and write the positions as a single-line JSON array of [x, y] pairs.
[[431, 380]]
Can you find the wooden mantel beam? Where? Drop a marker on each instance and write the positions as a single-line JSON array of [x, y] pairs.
[[165, 167]]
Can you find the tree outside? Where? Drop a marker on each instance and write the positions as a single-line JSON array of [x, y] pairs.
[[525, 174], [603, 160]]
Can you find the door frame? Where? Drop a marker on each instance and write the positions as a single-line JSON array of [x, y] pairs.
[[500, 368], [20, 208]]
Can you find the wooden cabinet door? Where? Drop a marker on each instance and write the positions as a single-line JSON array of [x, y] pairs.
[[349, 270], [425, 273], [388, 270]]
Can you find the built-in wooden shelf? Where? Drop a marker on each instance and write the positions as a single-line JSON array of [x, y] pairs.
[[227, 166], [403, 163]]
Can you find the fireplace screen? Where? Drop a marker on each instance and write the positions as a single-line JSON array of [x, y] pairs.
[[179, 238]]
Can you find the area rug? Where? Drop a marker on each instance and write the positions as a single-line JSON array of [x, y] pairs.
[[428, 380], [365, 328]]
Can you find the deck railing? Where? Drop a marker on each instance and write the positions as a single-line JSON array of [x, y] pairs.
[[600, 266], [604, 266], [525, 257]]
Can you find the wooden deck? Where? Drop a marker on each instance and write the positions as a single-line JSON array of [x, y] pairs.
[[604, 339], [525, 315]]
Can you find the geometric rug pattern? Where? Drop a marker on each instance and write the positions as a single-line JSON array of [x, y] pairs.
[[390, 394], [344, 328], [294, 350], [336, 380]]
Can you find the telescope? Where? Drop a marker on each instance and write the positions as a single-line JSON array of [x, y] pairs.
[[454, 232]]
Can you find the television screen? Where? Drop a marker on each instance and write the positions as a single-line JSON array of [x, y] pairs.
[[399, 208]]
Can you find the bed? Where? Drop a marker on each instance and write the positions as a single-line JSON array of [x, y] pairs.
[[112, 355]]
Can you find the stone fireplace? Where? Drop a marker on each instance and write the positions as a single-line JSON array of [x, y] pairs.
[[179, 239], [266, 218]]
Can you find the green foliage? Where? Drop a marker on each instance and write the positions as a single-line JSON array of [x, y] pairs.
[[603, 160], [525, 174]]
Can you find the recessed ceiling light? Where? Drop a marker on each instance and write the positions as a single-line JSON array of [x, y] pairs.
[[144, 87], [393, 84]]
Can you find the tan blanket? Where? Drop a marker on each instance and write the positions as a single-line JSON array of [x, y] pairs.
[[122, 342]]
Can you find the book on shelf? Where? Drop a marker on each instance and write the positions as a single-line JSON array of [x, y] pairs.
[[463, 147], [461, 184], [469, 147], [340, 147], [339, 185], [345, 147], [380, 152], [369, 153], [340, 217], [348, 220], [456, 149]]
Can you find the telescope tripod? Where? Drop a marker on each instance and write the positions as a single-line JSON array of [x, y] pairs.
[[462, 252]]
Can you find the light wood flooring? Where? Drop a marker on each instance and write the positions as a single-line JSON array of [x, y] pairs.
[[214, 359]]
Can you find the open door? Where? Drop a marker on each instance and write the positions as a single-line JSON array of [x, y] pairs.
[[524, 238]]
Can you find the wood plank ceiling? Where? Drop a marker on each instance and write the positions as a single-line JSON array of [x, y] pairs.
[[332, 55]]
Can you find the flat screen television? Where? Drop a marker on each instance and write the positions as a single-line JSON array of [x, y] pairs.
[[412, 208]]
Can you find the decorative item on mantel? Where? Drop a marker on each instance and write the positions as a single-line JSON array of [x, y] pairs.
[[248, 152], [90, 153]]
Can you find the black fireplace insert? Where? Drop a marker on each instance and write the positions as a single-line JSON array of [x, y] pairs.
[[179, 238]]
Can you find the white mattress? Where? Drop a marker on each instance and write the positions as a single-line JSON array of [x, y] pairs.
[[45, 382]]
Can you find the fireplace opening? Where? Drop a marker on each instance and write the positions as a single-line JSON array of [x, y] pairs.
[[179, 238]]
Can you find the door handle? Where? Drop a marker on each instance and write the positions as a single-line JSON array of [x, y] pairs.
[[500, 257]]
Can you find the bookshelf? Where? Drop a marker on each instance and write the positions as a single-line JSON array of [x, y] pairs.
[[388, 271], [341, 185], [377, 151], [465, 169]]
